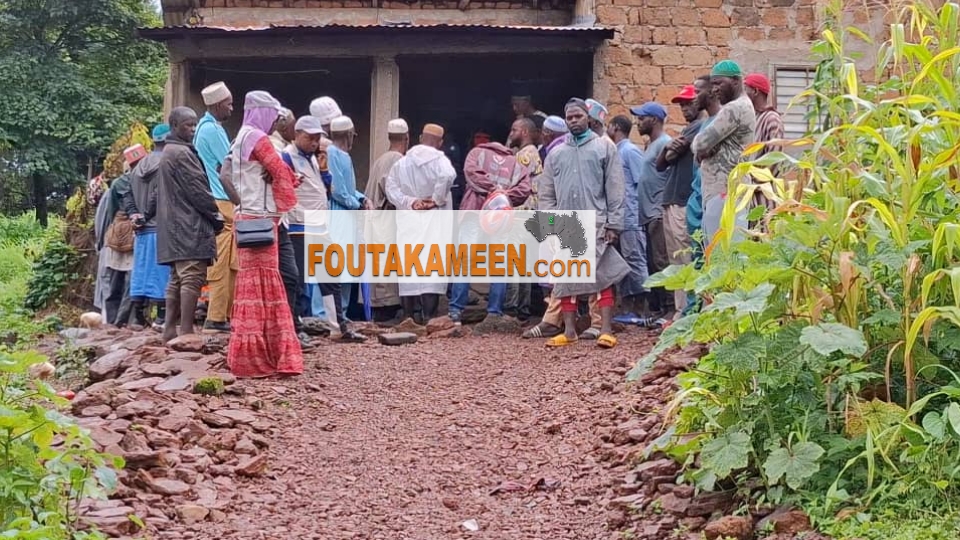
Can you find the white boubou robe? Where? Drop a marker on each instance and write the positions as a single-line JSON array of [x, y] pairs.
[[423, 173]]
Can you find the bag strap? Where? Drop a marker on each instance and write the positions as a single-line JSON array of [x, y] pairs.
[[234, 163]]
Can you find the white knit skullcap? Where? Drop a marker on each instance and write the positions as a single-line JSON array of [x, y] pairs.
[[397, 126], [556, 124], [341, 123], [215, 93], [325, 108]]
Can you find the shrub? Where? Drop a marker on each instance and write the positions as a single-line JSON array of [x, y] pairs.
[[22, 240], [835, 340], [51, 273], [47, 462], [209, 386]]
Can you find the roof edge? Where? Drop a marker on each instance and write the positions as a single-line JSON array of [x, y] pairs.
[[167, 33]]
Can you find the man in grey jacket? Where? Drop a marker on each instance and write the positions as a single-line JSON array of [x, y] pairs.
[[188, 222]]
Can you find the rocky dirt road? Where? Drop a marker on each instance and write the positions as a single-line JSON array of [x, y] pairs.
[[378, 442]]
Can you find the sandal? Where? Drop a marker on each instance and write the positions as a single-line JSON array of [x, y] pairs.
[[591, 334], [352, 337], [561, 341], [542, 330], [607, 341]]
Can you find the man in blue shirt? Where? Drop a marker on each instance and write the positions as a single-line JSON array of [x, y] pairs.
[[633, 243], [343, 191], [213, 145], [650, 118]]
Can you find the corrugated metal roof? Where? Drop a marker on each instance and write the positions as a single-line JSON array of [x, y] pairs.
[[171, 32]]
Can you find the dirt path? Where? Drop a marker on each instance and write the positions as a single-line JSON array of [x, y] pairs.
[[378, 442]]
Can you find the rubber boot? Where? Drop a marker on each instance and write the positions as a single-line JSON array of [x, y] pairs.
[[137, 307], [430, 304], [409, 305], [188, 309], [172, 318]]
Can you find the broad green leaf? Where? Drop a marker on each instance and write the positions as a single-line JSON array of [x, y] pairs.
[[828, 338], [107, 478], [678, 333], [953, 416], [727, 452], [642, 367], [934, 424], [742, 354], [795, 465], [744, 302], [888, 317]]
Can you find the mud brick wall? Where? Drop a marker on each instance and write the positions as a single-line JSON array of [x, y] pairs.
[[662, 45]]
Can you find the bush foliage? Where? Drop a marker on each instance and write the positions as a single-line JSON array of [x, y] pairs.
[[22, 244], [835, 332], [48, 463]]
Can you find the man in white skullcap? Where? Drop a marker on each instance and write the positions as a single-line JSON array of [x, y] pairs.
[[213, 145], [343, 187], [554, 129], [421, 180], [284, 132], [398, 133], [325, 109], [385, 297]]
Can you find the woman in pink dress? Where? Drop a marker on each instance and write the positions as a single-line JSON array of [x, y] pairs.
[[263, 341]]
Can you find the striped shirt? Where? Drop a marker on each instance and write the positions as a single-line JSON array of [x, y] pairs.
[[769, 128]]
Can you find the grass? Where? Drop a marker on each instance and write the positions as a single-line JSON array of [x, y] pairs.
[[22, 241]]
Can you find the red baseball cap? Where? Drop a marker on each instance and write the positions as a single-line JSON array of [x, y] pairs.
[[758, 81], [689, 93]]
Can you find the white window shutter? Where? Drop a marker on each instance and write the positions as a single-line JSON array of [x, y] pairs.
[[789, 83]]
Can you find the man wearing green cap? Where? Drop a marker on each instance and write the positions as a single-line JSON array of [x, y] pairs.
[[719, 146]]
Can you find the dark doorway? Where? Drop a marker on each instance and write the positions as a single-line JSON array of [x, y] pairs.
[[296, 82], [470, 93], [467, 93]]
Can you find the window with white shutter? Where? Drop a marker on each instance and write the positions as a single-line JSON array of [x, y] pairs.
[[789, 82]]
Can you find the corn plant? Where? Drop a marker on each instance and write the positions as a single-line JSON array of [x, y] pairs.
[[835, 329]]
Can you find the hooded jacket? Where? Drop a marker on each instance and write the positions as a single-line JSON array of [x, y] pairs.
[[142, 197]]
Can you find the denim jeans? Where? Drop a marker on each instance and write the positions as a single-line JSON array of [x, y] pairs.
[[461, 296], [470, 232]]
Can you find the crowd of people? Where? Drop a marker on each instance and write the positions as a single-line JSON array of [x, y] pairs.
[[202, 212]]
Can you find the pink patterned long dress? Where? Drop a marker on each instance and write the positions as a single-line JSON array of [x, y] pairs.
[[263, 341]]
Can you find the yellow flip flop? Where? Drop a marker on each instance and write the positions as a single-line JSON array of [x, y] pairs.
[[561, 341], [607, 341]]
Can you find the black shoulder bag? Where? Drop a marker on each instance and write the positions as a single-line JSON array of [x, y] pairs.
[[253, 233]]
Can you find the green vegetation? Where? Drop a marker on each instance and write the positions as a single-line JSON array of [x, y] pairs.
[[832, 381], [51, 273], [75, 77], [22, 243], [47, 462], [209, 386]]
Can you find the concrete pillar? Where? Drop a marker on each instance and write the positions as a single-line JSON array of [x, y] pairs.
[[177, 91], [584, 13], [384, 102]]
